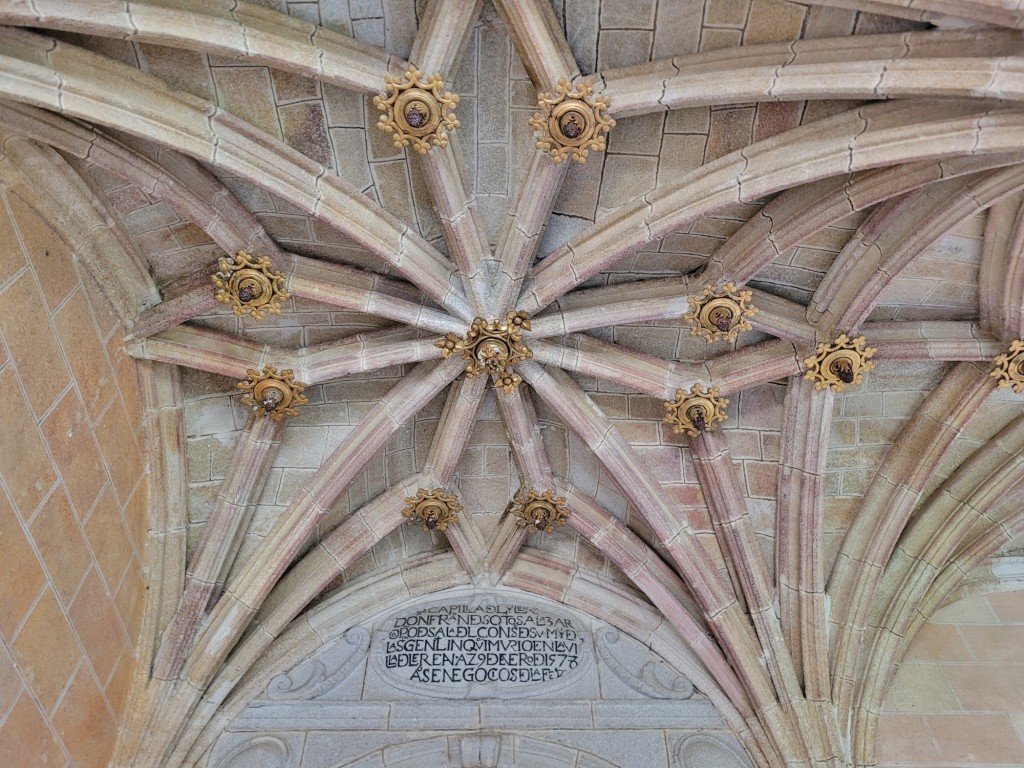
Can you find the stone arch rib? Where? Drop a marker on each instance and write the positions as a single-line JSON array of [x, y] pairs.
[[245, 593], [242, 30], [892, 237], [72, 81], [690, 557], [928, 64], [886, 134], [888, 503], [937, 531]]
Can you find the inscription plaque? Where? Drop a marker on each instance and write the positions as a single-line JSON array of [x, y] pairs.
[[481, 648]]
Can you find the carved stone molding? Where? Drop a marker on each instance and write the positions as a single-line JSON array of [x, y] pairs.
[[416, 111], [250, 285], [268, 751], [320, 675], [696, 411], [432, 510], [703, 749], [492, 346], [654, 679], [720, 314], [1009, 367], [539, 511], [271, 393], [844, 361], [572, 122]]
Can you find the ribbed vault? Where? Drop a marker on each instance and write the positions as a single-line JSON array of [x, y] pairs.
[[883, 143]]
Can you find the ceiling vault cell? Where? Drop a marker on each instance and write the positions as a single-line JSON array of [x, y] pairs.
[[747, 287]]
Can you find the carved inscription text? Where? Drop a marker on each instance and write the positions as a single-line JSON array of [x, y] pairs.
[[484, 646]]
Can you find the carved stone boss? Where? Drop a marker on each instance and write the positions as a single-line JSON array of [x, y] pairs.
[[492, 346], [844, 361], [696, 411], [1009, 367], [272, 393], [250, 285], [572, 122], [417, 111]]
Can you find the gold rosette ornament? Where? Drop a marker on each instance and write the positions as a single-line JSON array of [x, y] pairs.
[[572, 122], [844, 361], [696, 411], [250, 285], [416, 111], [271, 393], [719, 314], [432, 510], [539, 511], [1009, 370], [492, 346]]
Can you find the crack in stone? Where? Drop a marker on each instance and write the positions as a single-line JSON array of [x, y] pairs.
[[131, 20], [853, 139], [881, 78]]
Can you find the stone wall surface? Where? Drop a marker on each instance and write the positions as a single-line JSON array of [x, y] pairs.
[[958, 698], [73, 504], [484, 679]]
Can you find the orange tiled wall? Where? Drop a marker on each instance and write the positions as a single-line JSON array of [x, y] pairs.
[[958, 700], [72, 504]]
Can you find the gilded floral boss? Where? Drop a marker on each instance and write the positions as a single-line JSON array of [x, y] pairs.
[[492, 346]]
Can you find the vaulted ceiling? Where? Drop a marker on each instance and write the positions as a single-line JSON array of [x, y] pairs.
[[856, 165]]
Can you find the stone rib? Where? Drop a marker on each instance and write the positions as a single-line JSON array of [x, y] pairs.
[[76, 82], [931, 340], [987, 11], [799, 548], [207, 350], [950, 63], [444, 169], [1001, 273], [237, 30], [888, 503], [886, 134], [523, 431], [927, 545], [105, 252], [363, 291], [197, 195], [661, 299], [233, 356], [449, 443], [442, 33], [738, 541], [254, 453], [538, 39], [731, 372], [661, 585], [337, 285], [523, 228], [717, 599], [364, 352], [892, 237], [799, 213], [164, 426], [247, 591]]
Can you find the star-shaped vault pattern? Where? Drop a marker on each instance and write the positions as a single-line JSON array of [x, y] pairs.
[[795, 580]]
